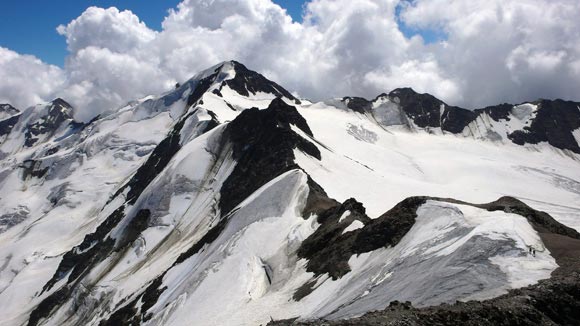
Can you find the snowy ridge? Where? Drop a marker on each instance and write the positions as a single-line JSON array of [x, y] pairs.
[[7, 111], [530, 124], [455, 252], [143, 214]]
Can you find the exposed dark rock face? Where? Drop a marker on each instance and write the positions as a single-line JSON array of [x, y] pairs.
[[554, 123], [318, 201], [497, 112], [357, 104], [7, 124], [263, 145], [455, 119], [425, 111], [59, 112], [134, 313], [328, 249], [247, 81], [217, 92], [201, 88]]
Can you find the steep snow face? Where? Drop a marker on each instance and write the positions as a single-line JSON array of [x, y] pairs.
[[380, 166], [257, 246], [36, 125], [48, 207], [182, 205], [55, 189]]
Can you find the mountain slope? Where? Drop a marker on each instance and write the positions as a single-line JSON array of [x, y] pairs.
[[228, 201]]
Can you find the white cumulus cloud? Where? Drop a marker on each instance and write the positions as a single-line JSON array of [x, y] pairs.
[[25, 80], [493, 51]]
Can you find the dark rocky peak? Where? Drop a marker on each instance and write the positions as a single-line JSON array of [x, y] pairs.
[[423, 109], [200, 88], [49, 120], [405, 91], [248, 82], [61, 103], [427, 111], [59, 110], [380, 97], [497, 112], [555, 123], [198, 85], [357, 104]]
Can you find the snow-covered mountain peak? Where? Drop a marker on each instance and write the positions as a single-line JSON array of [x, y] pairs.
[[329, 210], [36, 125], [238, 78]]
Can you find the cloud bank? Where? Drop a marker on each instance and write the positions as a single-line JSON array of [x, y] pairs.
[[492, 51]]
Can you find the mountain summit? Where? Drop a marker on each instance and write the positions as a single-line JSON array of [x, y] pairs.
[[228, 201]]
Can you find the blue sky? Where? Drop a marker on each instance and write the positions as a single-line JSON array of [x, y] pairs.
[[30, 27]]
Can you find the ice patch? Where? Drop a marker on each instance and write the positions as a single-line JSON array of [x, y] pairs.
[[344, 215], [387, 112], [355, 225], [525, 112], [362, 134]]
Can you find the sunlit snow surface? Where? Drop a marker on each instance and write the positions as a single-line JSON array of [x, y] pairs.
[[453, 252], [251, 271], [397, 164]]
